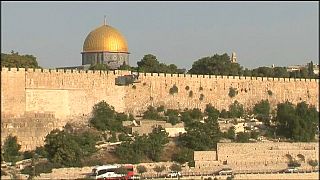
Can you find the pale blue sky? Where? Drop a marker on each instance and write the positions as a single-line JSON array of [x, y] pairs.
[[261, 33]]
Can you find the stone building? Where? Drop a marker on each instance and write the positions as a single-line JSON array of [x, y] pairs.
[[105, 45]]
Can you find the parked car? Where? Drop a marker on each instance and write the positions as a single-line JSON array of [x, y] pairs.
[[291, 170], [226, 171], [174, 174]]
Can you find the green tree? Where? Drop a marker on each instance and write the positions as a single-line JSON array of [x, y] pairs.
[[232, 92], [105, 118], [148, 63], [236, 110], [231, 134], [156, 141], [216, 64], [69, 149], [151, 113], [173, 90], [262, 110], [99, 66], [243, 137], [313, 163], [310, 70], [125, 67], [280, 72], [202, 136], [18, 61], [11, 149], [62, 148], [183, 155], [297, 123], [224, 113]]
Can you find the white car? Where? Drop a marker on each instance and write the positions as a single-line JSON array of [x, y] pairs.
[[174, 174], [226, 171], [291, 170]]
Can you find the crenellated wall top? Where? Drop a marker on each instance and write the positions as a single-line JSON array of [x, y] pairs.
[[143, 75]]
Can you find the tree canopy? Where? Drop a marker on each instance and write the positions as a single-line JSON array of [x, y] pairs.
[[69, 149], [298, 123], [149, 63], [11, 149], [18, 61], [99, 66], [145, 146], [104, 117], [217, 65], [202, 136]]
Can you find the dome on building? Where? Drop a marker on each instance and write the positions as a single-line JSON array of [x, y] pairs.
[[105, 39]]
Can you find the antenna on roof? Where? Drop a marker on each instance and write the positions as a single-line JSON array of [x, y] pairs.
[[105, 20]]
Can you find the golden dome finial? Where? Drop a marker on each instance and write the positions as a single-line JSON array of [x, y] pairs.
[[105, 20]]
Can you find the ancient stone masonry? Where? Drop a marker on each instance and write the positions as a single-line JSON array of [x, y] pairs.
[[256, 156], [70, 94]]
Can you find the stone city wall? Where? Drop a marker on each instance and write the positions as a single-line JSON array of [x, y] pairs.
[[154, 90], [69, 94], [256, 156], [30, 130]]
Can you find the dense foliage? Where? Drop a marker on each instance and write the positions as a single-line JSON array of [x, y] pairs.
[[19, 61], [69, 149], [104, 117], [149, 63], [145, 146], [11, 149], [217, 65], [298, 123], [262, 111], [236, 110], [202, 136], [99, 66]]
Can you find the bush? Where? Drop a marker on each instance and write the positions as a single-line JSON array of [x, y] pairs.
[[243, 137], [69, 149], [173, 120], [184, 155], [232, 92], [41, 167], [106, 118], [41, 151], [190, 93], [160, 108], [173, 90], [187, 88], [134, 87], [200, 88], [270, 92], [236, 110], [294, 163], [313, 163], [224, 113], [11, 149], [28, 154], [124, 137], [151, 113], [201, 97]]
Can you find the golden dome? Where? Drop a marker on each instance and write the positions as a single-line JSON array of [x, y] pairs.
[[105, 38]]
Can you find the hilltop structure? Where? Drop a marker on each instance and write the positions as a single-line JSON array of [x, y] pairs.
[[105, 45]]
